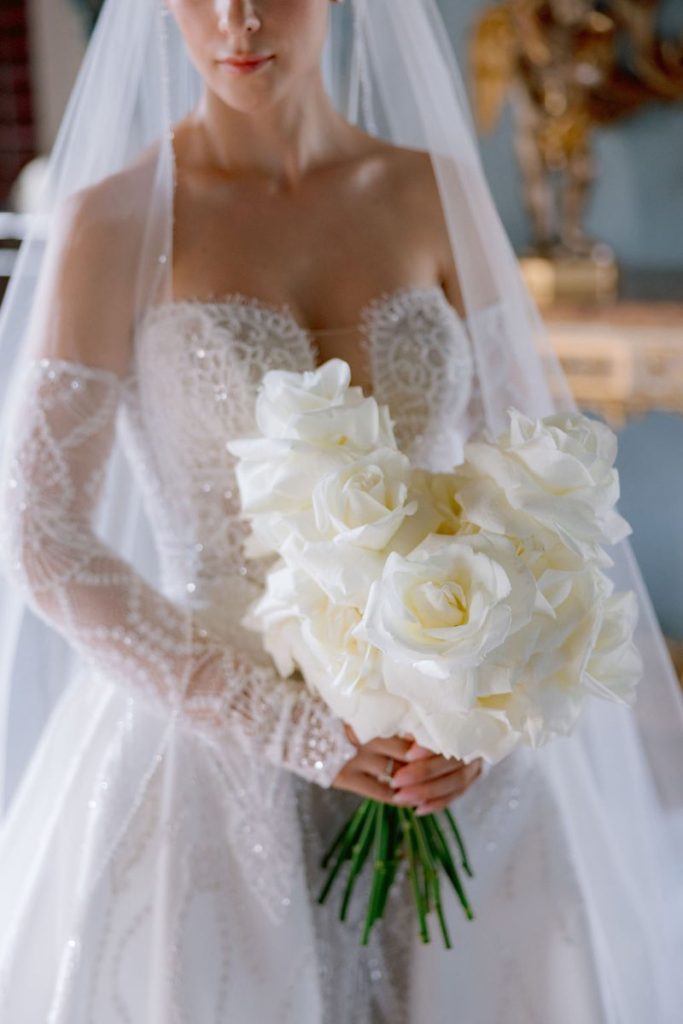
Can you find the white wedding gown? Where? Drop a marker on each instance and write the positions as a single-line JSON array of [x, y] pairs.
[[128, 898]]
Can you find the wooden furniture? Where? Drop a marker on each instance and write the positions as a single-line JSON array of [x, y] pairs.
[[622, 359]]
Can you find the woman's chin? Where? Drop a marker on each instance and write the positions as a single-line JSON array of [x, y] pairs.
[[246, 94]]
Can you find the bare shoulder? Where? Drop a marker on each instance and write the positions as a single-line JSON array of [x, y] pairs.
[[413, 163], [110, 213], [398, 165], [414, 187], [86, 308]]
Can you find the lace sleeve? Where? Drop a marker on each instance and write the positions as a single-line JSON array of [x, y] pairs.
[[51, 479]]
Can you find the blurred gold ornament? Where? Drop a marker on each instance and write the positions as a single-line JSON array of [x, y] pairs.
[[561, 63]]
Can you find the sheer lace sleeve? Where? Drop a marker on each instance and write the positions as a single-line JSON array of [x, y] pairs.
[[51, 479]]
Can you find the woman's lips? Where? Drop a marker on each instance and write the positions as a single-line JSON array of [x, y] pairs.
[[243, 65]]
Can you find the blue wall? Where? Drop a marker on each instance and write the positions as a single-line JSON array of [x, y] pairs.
[[650, 463]]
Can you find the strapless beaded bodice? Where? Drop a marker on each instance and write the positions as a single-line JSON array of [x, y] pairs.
[[192, 386]]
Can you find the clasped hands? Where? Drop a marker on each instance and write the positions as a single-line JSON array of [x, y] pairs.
[[420, 778]]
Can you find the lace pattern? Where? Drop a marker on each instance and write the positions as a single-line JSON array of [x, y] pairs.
[[109, 613], [422, 368], [178, 654]]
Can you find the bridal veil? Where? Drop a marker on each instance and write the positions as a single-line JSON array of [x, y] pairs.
[[388, 66]]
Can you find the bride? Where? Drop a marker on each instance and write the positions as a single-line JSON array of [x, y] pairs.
[[213, 215]]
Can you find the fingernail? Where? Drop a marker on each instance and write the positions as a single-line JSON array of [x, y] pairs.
[[415, 753], [399, 778], [403, 798], [420, 811]]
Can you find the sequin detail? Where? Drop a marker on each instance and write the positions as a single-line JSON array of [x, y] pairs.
[[173, 687]]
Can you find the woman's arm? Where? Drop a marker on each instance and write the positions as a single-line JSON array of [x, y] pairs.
[[53, 468], [50, 487]]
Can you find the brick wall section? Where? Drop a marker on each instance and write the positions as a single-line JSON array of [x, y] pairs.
[[17, 137]]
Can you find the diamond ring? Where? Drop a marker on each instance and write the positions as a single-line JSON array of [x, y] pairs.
[[386, 774]]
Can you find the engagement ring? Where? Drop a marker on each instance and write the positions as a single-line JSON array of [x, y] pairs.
[[386, 774]]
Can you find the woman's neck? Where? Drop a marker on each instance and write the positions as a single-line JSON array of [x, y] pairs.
[[282, 142]]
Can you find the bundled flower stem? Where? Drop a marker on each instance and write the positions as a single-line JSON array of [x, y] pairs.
[[395, 833]]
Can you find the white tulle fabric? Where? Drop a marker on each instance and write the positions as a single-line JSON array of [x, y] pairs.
[[107, 611], [215, 952], [157, 861]]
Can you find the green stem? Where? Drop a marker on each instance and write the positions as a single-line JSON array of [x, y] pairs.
[[379, 876], [411, 846], [443, 852], [354, 819], [461, 845], [431, 874], [397, 832], [352, 829], [360, 852], [393, 855]]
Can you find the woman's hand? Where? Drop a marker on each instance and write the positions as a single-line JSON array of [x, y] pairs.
[[420, 778], [363, 772], [430, 781]]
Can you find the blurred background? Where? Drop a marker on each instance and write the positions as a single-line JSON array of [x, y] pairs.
[[579, 109]]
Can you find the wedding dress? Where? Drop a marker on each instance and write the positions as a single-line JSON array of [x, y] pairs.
[[528, 956]]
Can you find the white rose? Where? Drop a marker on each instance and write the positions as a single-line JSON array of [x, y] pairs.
[[550, 693], [582, 638], [277, 476], [555, 474], [365, 502], [273, 615], [359, 513], [440, 491], [615, 665], [313, 423], [302, 629], [344, 574], [437, 614], [478, 732], [320, 407], [361, 427], [284, 396]]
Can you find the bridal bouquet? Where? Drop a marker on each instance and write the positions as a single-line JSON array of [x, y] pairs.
[[469, 609]]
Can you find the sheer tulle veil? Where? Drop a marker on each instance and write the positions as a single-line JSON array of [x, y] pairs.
[[388, 66]]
